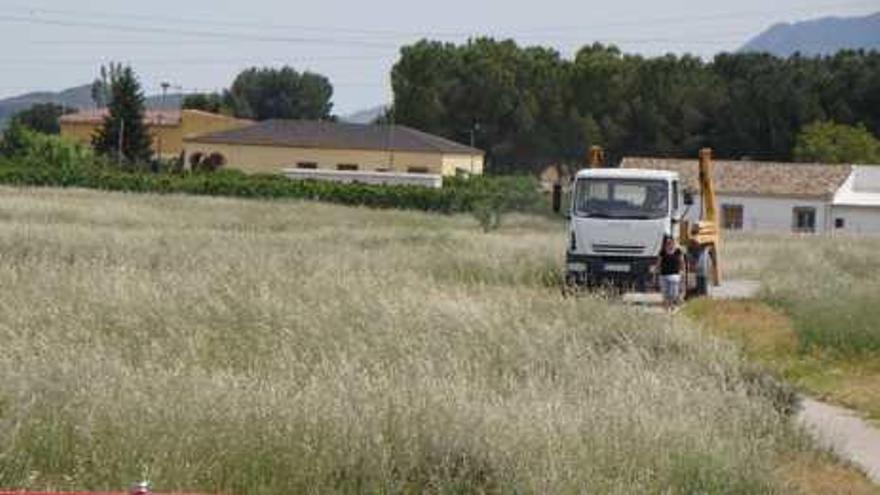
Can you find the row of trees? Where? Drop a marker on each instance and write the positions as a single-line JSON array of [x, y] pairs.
[[528, 107]]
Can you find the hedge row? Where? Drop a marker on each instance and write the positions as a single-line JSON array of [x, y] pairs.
[[457, 195]]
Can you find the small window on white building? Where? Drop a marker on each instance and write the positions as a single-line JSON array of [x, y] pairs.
[[346, 166], [732, 217], [307, 165], [839, 223], [804, 219], [417, 170]]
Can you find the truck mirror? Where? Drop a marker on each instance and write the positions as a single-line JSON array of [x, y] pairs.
[[557, 197], [688, 198]]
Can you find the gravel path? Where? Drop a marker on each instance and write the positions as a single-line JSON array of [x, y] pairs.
[[730, 289], [845, 433]]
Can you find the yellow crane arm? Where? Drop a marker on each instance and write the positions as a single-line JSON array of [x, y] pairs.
[[707, 231], [707, 188]]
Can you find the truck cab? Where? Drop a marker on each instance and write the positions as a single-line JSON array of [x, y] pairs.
[[617, 221]]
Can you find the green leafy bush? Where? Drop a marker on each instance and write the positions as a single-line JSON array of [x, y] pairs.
[[54, 165], [31, 149]]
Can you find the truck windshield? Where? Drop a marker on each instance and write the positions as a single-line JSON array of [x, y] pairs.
[[621, 198]]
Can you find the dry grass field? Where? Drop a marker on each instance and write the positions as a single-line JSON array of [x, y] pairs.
[[277, 348]]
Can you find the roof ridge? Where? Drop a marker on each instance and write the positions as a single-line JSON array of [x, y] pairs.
[[433, 137], [757, 177], [337, 135]]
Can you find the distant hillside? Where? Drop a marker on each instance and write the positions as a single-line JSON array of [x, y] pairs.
[[76, 97], [818, 37], [367, 116]]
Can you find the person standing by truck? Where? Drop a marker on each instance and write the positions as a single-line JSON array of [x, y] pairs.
[[671, 265]]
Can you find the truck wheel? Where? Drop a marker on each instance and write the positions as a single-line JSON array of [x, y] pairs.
[[704, 272]]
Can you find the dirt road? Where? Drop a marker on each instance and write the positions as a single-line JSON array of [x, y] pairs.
[[843, 431]]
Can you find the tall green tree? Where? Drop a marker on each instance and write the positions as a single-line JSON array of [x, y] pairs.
[[828, 142], [124, 134], [42, 117], [102, 86], [283, 93]]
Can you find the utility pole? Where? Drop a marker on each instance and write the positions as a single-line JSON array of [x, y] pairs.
[[475, 126], [165, 85], [391, 140]]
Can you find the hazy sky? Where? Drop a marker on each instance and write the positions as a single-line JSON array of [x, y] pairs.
[[199, 45]]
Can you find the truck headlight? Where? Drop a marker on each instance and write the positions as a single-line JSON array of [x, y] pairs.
[[576, 266]]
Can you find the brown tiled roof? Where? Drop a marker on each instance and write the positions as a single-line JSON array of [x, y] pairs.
[[335, 135], [96, 116], [755, 178]]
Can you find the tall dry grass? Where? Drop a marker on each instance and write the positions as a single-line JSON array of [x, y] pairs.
[[259, 348], [830, 286]]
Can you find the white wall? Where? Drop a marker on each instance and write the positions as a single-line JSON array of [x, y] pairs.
[[857, 219], [857, 202], [366, 177], [761, 213]]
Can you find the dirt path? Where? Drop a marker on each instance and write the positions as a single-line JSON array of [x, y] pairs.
[[730, 289], [845, 433]]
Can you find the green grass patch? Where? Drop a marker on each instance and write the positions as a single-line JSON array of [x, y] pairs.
[[773, 339]]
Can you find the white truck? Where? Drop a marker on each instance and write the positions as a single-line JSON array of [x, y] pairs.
[[617, 221]]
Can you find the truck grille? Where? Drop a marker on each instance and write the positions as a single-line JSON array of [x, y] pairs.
[[620, 249]]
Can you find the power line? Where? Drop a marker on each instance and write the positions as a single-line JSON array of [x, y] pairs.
[[224, 23], [516, 32], [186, 32], [185, 61]]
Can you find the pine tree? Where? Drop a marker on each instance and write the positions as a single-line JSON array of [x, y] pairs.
[[124, 126]]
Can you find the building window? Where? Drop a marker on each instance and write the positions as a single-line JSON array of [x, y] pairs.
[[839, 223], [732, 217], [804, 219], [307, 165], [346, 166], [417, 170], [383, 169]]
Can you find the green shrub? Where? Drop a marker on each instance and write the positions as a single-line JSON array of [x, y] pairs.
[[32, 149], [54, 163]]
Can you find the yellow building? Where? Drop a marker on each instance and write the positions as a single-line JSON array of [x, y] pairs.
[[168, 128], [274, 145]]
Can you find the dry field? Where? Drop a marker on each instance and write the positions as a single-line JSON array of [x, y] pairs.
[[278, 348]]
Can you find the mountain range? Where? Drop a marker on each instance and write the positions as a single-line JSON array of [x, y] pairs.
[[818, 36]]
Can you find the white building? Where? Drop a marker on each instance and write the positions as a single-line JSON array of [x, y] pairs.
[[780, 197], [856, 205]]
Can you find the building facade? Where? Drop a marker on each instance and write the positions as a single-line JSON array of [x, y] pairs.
[[856, 205], [168, 128], [784, 197], [274, 146]]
